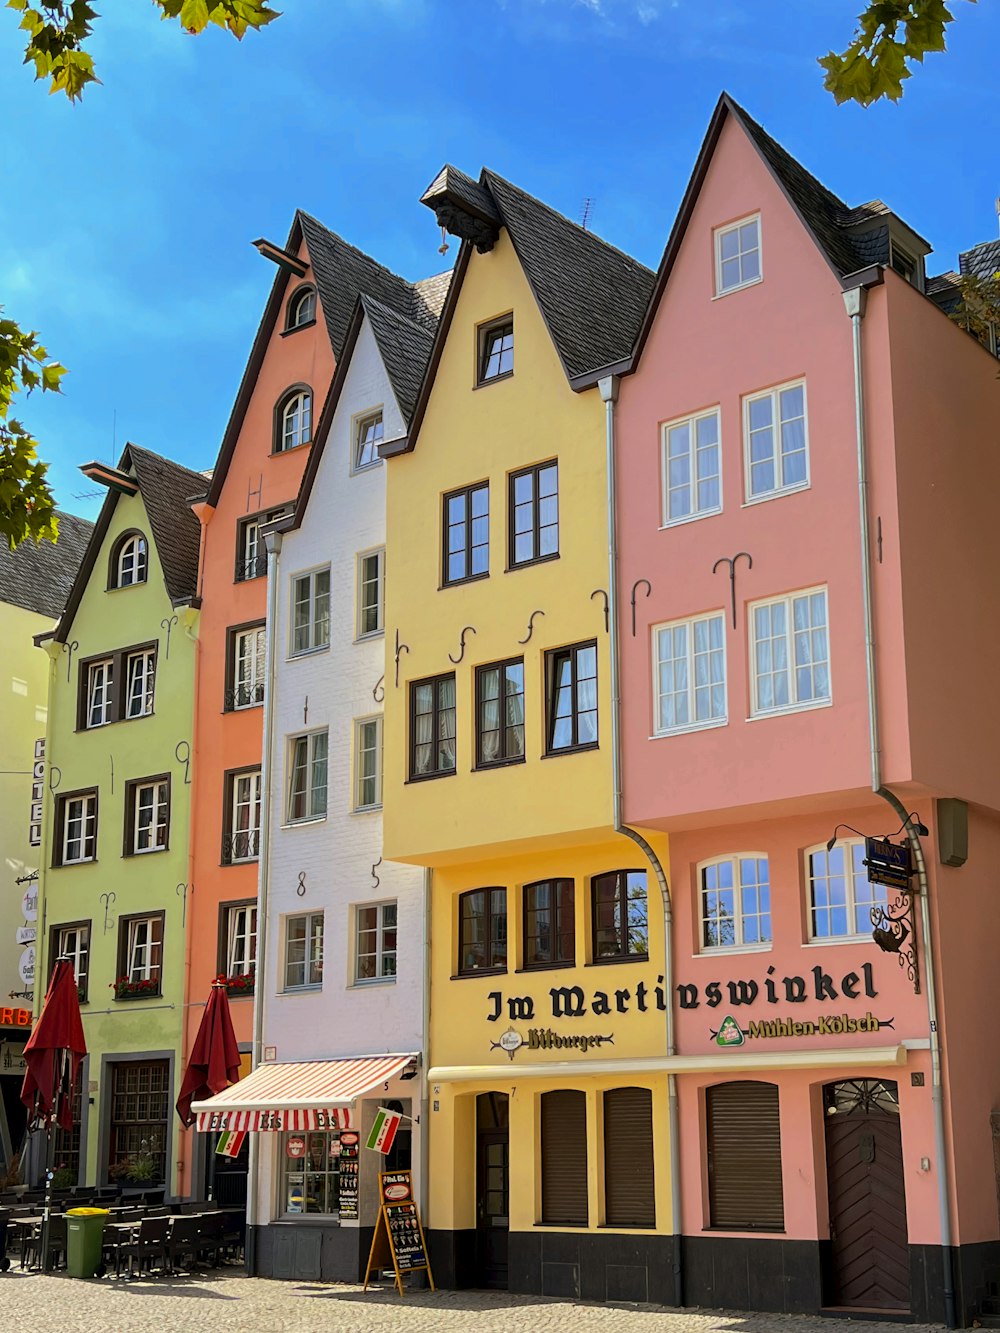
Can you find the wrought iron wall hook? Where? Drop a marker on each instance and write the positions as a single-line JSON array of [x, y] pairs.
[[69, 649], [400, 648], [893, 932], [599, 592], [731, 562], [168, 623], [55, 776], [469, 629], [531, 626], [378, 693], [182, 753], [112, 759], [376, 880], [638, 584], [182, 893], [300, 888], [107, 899]]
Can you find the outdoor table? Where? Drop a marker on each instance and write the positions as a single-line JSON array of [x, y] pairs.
[[25, 1230]]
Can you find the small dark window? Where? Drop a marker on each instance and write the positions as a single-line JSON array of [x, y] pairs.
[[129, 562], [744, 1157], [549, 923], [466, 534], [629, 1197], [620, 915], [500, 713], [571, 701], [432, 727], [534, 514], [482, 931], [905, 265], [301, 308], [564, 1158], [293, 419], [496, 350]]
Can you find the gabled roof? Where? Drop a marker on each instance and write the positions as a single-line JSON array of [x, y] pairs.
[[982, 260], [167, 490], [39, 578]]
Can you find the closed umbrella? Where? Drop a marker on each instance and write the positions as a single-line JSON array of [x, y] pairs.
[[215, 1057], [53, 1054]]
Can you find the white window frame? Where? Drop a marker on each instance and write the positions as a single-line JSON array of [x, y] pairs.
[[304, 298], [689, 623], [725, 230], [140, 668], [359, 428], [311, 958], [257, 660], [380, 953], [691, 421], [310, 739], [137, 552], [296, 421], [879, 893], [794, 705], [378, 553], [314, 643], [140, 943], [249, 800], [87, 816], [79, 955], [740, 944], [160, 808], [100, 692], [241, 930], [360, 805], [777, 455]]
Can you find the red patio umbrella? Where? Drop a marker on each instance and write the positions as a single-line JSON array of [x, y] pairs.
[[215, 1057]]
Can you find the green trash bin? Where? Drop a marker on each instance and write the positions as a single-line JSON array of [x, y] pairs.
[[84, 1237]]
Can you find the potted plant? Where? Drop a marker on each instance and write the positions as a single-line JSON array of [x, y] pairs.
[[127, 989], [237, 983]]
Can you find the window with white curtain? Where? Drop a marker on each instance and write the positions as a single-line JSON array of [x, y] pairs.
[[368, 763], [841, 896], [691, 468], [376, 943], [140, 669], [790, 652], [310, 611], [295, 424], [304, 951], [242, 841], [735, 901], [500, 712], [307, 776], [143, 949], [241, 940], [776, 441], [432, 727], [249, 657], [371, 592], [689, 674]]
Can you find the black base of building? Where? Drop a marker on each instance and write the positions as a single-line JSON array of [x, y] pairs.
[[746, 1273], [453, 1258], [588, 1266], [304, 1252]]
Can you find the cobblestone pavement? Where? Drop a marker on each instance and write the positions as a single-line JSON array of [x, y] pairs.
[[221, 1303]]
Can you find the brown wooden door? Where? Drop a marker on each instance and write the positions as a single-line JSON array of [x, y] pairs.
[[870, 1266]]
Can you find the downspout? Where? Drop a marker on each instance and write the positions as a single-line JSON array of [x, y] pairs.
[[425, 1034], [272, 541], [609, 394], [855, 301]]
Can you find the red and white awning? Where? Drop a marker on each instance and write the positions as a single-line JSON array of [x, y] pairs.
[[312, 1094]]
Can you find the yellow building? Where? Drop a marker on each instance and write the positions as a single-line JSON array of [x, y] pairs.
[[548, 1131]]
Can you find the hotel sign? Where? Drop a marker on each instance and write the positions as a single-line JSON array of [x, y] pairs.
[[888, 862], [37, 781]]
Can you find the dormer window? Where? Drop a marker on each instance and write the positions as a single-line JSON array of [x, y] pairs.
[[293, 420], [370, 433], [904, 264], [737, 255], [496, 350], [129, 561], [301, 308]]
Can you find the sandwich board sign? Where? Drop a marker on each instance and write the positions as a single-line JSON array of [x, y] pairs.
[[399, 1236]]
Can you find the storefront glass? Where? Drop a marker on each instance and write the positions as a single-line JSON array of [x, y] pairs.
[[310, 1173]]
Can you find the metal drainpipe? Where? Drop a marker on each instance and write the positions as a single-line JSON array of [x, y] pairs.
[[424, 1060], [855, 302], [609, 393], [272, 541]]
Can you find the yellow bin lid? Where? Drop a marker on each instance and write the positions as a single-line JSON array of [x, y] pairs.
[[86, 1212]]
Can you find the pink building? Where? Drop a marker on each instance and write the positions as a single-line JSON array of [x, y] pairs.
[[779, 664]]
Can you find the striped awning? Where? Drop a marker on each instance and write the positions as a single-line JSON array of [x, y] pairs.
[[312, 1094]]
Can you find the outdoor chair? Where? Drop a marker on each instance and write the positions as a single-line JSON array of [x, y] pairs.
[[149, 1243], [233, 1232], [159, 1210], [31, 1253], [185, 1237], [154, 1196], [211, 1242], [191, 1206]]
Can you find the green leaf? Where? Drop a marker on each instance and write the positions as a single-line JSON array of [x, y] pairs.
[[194, 15]]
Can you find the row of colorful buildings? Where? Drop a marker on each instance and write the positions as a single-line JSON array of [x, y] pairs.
[[502, 721]]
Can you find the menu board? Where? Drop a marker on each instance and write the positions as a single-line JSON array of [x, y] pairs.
[[399, 1237], [349, 1146]]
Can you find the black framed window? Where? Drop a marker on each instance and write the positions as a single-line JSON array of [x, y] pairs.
[[571, 703], [549, 923], [620, 915], [241, 824], [466, 534], [482, 931], [500, 713], [301, 309], [432, 727], [251, 557], [534, 514], [496, 350], [140, 1117]]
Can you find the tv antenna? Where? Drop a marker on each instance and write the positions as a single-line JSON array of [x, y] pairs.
[[587, 205]]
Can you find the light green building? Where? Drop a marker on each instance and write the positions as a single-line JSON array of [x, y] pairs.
[[114, 886]]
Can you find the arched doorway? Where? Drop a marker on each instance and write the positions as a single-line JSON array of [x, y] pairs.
[[870, 1258], [492, 1189]]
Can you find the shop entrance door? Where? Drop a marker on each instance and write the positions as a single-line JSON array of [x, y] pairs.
[[492, 1189], [870, 1261]]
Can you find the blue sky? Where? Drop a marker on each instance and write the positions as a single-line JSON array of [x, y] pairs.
[[126, 222]]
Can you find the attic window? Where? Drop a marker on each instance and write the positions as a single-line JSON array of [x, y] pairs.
[[129, 561], [369, 436], [301, 308], [496, 350], [904, 264], [737, 255]]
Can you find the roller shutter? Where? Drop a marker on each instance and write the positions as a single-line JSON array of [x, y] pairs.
[[628, 1158], [564, 1158], [744, 1157]]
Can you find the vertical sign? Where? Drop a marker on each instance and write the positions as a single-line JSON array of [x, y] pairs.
[[37, 781], [399, 1236], [349, 1145]]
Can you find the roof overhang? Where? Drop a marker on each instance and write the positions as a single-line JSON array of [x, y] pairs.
[[114, 478], [278, 255]]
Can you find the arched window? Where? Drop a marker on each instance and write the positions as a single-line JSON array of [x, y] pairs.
[[293, 420], [129, 561], [301, 308]]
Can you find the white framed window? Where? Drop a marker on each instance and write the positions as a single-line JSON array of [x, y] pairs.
[[841, 896], [689, 674], [369, 432], [140, 669], [371, 592], [790, 652], [735, 901], [100, 680], [776, 442], [249, 657], [150, 817], [144, 949], [310, 611], [241, 940], [132, 561], [375, 955], [304, 951], [307, 776], [301, 308], [79, 829], [368, 763], [737, 255], [692, 469], [251, 557], [243, 840], [73, 942], [295, 426]]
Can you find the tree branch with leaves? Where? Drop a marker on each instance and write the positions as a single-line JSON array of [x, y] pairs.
[[27, 508], [891, 36]]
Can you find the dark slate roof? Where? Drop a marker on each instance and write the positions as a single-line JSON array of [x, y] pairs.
[[591, 295], [39, 578], [405, 348], [430, 295], [875, 208], [982, 260], [464, 191], [167, 490]]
